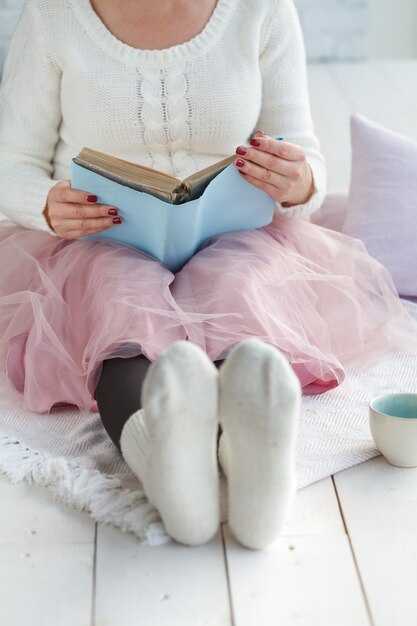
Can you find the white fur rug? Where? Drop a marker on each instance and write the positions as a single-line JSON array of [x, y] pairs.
[[70, 453]]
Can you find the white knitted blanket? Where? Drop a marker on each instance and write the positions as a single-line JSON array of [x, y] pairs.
[[70, 453]]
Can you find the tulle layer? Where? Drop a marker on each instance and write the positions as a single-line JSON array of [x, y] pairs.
[[314, 293]]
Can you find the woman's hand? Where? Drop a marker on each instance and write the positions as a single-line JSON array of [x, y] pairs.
[[72, 213], [278, 167]]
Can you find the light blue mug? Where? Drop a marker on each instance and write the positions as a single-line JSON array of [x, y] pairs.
[[393, 423]]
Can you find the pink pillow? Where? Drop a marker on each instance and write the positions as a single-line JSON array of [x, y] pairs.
[[382, 209], [332, 212]]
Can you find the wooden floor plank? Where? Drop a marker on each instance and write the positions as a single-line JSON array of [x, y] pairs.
[[303, 581], [159, 585], [315, 511], [306, 576], [379, 503], [30, 515], [46, 584]]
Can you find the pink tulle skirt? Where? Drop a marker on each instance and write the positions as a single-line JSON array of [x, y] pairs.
[[314, 293]]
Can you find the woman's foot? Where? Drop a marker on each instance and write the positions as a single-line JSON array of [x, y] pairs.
[[259, 405], [171, 444]]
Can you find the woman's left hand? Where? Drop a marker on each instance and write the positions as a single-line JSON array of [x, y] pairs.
[[278, 167]]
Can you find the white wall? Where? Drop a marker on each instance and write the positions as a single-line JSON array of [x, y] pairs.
[[393, 28], [9, 12], [335, 30]]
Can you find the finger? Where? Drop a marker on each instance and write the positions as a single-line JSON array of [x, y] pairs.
[[75, 234], [271, 190], [270, 161], [88, 223], [70, 210], [283, 149], [64, 183], [68, 194], [260, 133], [265, 175]]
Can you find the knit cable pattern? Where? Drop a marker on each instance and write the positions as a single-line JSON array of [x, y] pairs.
[[164, 116]]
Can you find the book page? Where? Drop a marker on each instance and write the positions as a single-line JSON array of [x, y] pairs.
[[198, 182], [137, 176], [149, 180]]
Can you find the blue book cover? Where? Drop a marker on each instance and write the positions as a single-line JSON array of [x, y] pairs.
[[172, 233]]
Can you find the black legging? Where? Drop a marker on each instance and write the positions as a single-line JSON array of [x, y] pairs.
[[118, 392]]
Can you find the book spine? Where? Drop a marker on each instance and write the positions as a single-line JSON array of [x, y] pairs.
[[181, 193]]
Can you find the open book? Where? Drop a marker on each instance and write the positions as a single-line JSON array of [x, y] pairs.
[[167, 218]]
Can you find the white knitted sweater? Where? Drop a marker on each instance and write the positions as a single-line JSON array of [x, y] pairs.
[[68, 82]]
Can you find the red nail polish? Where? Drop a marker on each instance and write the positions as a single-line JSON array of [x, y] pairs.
[[240, 163], [92, 198], [117, 220], [241, 150], [112, 211], [255, 142]]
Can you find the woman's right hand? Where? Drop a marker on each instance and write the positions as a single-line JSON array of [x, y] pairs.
[[71, 215]]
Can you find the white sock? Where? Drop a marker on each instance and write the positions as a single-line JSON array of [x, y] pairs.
[[135, 445], [259, 405], [171, 444]]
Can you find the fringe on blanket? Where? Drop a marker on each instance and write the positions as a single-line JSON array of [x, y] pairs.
[[103, 496]]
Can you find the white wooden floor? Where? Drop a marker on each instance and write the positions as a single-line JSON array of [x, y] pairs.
[[348, 553]]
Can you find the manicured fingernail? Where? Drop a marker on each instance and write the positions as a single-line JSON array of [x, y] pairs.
[[255, 142], [240, 163], [241, 150], [112, 211], [92, 198], [117, 220]]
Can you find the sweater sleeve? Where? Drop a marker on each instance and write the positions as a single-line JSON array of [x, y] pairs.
[[285, 108], [30, 115]]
